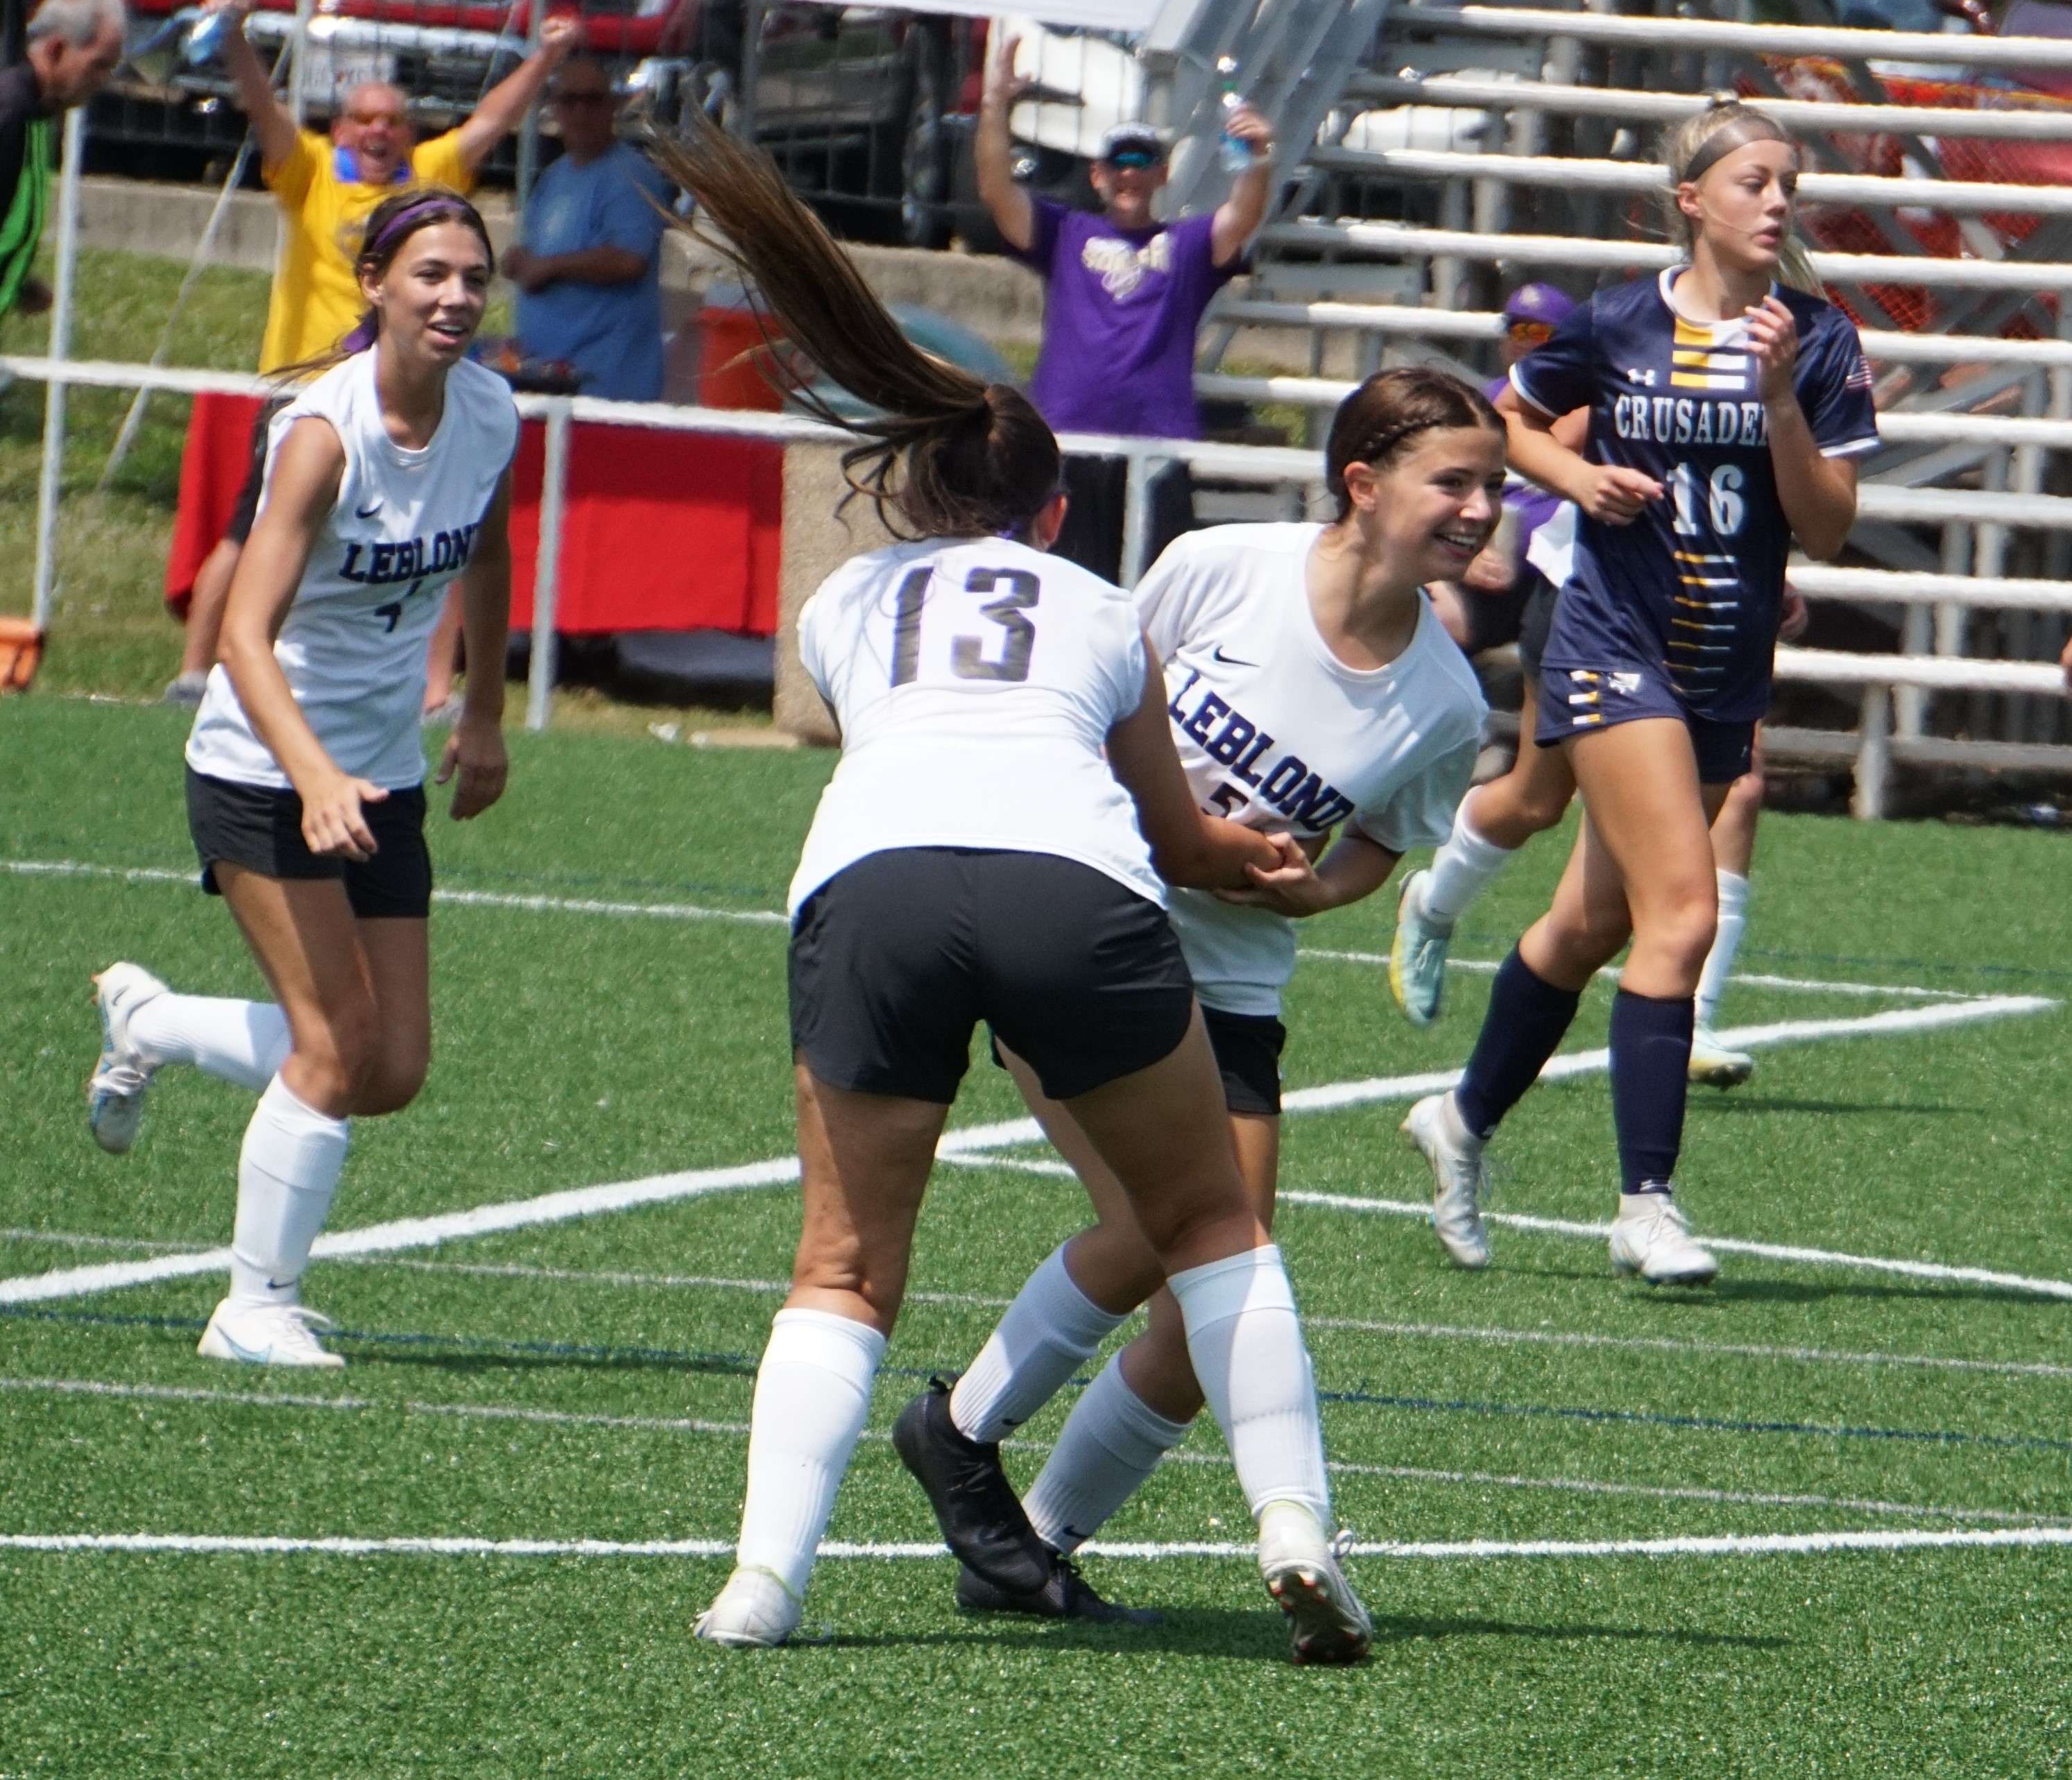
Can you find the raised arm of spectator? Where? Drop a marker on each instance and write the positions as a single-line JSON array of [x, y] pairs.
[[1239, 215], [272, 125], [504, 107], [993, 154]]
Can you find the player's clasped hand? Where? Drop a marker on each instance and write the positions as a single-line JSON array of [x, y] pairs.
[[333, 823], [1772, 337], [1615, 494], [1290, 888], [475, 752]]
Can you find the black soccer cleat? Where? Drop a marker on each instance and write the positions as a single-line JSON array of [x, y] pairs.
[[1068, 1595], [980, 1515]]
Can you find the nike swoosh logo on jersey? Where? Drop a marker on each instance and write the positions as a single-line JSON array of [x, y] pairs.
[[1217, 654], [367, 513]]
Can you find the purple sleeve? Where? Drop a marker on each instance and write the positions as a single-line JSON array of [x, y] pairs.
[[1047, 218], [1561, 376], [1193, 240]]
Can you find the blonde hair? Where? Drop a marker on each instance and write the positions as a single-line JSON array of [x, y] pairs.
[[1694, 146]]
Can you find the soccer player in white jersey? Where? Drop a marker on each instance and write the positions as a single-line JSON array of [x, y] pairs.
[[1312, 691], [1726, 410], [977, 856], [388, 479]]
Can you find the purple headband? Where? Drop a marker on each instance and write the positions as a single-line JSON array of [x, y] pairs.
[[369, 324]]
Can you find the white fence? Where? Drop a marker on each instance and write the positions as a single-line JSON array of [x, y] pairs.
[[1876, 676]]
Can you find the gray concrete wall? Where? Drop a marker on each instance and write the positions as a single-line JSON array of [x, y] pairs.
[[813, 547], [991, 296]]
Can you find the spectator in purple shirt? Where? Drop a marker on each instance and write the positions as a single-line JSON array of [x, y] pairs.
[[1124, 295]]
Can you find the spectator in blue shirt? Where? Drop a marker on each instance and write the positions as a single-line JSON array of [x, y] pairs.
[[588, 262]]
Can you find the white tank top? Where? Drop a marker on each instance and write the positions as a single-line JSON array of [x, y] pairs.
[[975, 683], [354, 643]]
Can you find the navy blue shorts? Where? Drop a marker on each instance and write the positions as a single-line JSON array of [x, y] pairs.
[[1574, 700]]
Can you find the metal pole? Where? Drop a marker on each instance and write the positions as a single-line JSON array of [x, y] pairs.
[[1873, 755], [547, 566], [1137, 519], [528, 131], [60, 347]]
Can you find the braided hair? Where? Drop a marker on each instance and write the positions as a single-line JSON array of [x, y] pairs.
[[1391, 408]]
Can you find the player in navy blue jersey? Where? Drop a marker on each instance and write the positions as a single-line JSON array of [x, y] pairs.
[[1725, 411]]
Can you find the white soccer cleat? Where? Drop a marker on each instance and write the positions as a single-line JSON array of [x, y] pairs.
[[1713, 1065], [755, 1611], [1651, 1238], [266, 1334], [1417, 953], [115, 1091], [1458, 1178], [1300, 1561]]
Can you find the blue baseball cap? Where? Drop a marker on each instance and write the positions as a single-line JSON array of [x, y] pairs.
[[1538, 302]]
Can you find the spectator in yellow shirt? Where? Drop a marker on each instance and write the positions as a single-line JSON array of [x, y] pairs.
[[326, 188]]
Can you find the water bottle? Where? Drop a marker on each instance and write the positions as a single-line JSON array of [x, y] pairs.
[[1233, 151], [206, 38]]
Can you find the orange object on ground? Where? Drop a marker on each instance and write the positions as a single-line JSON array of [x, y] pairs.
[[21, 649]]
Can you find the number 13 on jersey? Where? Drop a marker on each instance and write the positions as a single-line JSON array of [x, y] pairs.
[[1001, 654]]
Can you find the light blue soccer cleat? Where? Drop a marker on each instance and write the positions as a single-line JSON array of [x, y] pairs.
[[1716, 1065], [267, 1334], [1417, 953], [115, 1091]]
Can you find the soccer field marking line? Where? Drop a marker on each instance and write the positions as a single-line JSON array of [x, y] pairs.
[[621, 1278], [537, 903], [1804, 985], [612, 1196], [1718, 1545], [463, 898], [679, 1424]]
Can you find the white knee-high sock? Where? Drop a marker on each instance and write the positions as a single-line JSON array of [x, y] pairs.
[[286, 1173], [1726, 941], [1048, 1330], [1246, 1343], [1112, 1441], [1461, 869], [813, 1392], [241, 1042]]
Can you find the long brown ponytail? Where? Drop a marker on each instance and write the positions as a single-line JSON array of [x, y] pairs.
[[951, 456]]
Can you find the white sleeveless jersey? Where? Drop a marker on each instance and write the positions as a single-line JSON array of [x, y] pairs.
[[975, 683], [1275, 733], [354, 643]]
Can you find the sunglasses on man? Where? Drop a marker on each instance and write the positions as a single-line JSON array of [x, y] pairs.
[[1141, 158], [1529, 333]]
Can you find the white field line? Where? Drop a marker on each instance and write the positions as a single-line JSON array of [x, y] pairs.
[[487, 899], [1722, 1545], [983, 1300], [662, 1189], [689, 911], [683, 1425], [1808, 985]]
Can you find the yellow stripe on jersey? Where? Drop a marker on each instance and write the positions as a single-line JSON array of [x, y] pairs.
[[1697, 556], [1709, 581], [1691, 380], [1717, 358]]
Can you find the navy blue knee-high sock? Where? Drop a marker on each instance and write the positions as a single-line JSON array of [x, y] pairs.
[[1650, 1076], [1527, 1015]]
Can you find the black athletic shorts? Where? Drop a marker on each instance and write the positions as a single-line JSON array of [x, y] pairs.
[[1247, 1048], [1537, 620], [897, 959], [260, 828], [239, 526]]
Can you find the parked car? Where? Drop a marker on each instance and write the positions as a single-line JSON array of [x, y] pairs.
[[867, 108]]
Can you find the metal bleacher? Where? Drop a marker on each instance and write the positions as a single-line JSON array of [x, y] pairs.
[[1432, 154]]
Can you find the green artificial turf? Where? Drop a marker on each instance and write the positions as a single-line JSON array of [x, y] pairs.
[[586, 1379]]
